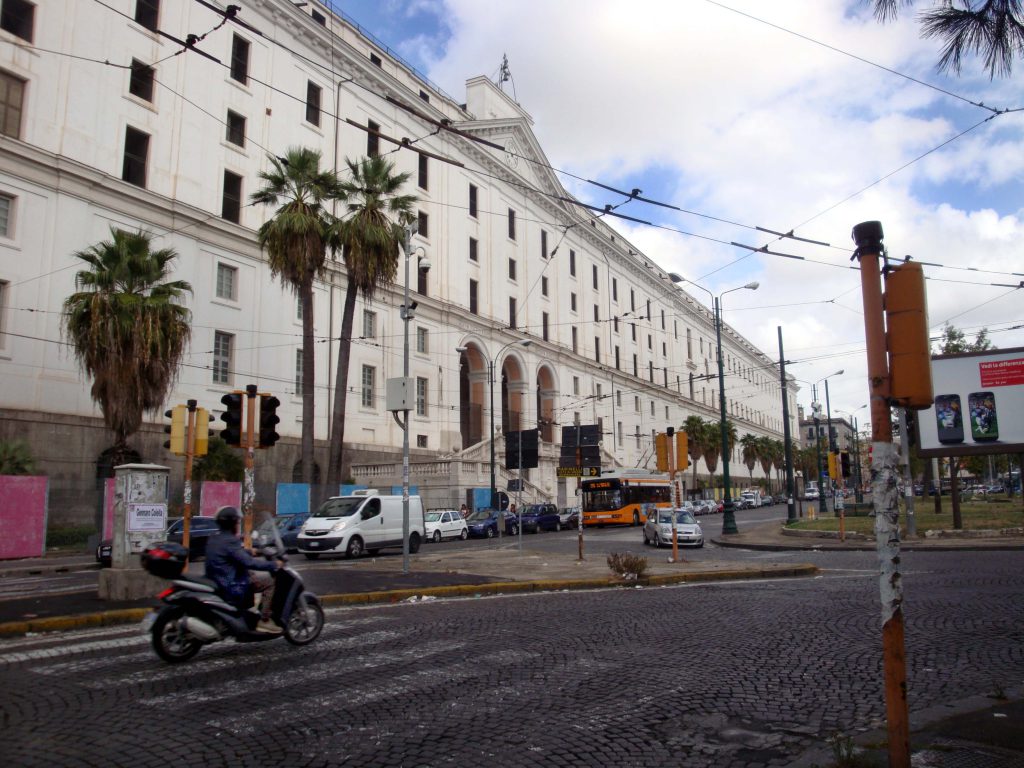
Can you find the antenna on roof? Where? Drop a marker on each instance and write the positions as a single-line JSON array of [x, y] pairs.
[[505, 76]]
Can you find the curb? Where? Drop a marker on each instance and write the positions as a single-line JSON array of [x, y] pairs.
[[132, 615]]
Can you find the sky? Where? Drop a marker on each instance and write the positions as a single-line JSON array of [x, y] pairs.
[[792, 115]]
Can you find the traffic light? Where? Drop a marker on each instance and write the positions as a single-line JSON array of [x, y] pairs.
[[833, 469], [202, 432], [232, 417], [178, 414], [512, 455], [844, 460], [682, 451], [906, 337], [661, 450], [268, 421]]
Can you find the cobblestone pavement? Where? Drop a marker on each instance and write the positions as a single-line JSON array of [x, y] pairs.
[[721, 674]]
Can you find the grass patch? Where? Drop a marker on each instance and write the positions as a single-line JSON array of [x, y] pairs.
[[977, 515]]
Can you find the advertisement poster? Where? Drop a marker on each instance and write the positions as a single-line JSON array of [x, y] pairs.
[[979, 405], [147, 517]]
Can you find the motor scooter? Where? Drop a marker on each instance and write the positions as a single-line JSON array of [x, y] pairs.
[[196, 614]]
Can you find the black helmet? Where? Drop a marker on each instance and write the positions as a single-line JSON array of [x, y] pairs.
[[228, 518]]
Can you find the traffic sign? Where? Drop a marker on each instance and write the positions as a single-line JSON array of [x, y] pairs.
[[577, 472]]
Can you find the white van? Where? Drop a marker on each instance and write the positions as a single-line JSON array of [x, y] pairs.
[[366, 521]]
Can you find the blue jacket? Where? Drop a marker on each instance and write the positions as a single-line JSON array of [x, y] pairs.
[[228, 564]]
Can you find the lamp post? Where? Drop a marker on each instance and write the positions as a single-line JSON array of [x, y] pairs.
[[490, 375], [816, 406], [729, 516]]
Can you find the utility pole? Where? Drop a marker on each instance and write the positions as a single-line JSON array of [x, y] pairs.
[[787, 439], [249, 486], [868, 238], [190, 452], [908, 478]]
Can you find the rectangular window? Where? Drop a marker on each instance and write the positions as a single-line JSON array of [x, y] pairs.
[[597, 315], [511, 269], [421, 441], [140, 83], [617, 360], [368, 384], [636, 403], [231, 206], [511, 224], [421, 396], [572, 302], [298, 372], [663, 319], [318, 17], [544, 285], [147, 12], [18, 17], [423, 177], [472, 200], [236, 129], [544, 325], [376, 60], [473, 254], [636, 370], [425, 96], [575, 340], [422, 345], [313, 93], [511, 312], [593, 269], [472, 297], [422, 224], [619, 430], [369, 324], [615, 289], [6, 210], [223, 347], [136, 153], [650, 371], [421, 282], [372, 139], [597, 348], [543, 244], [650, 343], [632, 300], [240, 59], [575, 385], [572, 262], [615, 323], [5, 289], [227, 281], [12, 98]]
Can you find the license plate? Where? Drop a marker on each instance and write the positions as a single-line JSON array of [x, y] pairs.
[[313, 544], [146, 626]]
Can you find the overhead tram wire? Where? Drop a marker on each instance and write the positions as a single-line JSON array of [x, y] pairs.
[[231, 14]]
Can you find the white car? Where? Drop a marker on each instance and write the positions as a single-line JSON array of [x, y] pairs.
[[445, 524], [658, 532]]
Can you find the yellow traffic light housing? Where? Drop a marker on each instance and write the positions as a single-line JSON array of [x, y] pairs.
[[906, 320], [661, 451], [202, 432], [833, 465], [682, 451], [177, 415]]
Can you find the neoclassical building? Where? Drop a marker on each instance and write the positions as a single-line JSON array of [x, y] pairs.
[[157, 115]]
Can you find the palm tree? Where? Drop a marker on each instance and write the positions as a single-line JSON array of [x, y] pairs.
[[696, 429], [371, 234], [765, 455], [751, 453], [993, 29], [296, 240], [127, 329]]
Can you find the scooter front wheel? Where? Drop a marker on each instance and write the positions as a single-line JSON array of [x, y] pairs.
[[171, 641], [305, 623]]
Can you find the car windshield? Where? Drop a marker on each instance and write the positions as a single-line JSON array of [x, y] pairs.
[[682, 518], [433, 517], [532, 509], [479, 516], [344, 507]]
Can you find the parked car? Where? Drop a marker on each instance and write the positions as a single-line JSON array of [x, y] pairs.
[[811, 494], [997, 489], [539, 517], [705, 507], [288, 527], [569, 517], [781, 498], [445, 524], [767, 500], [658, 532], [484, 523], [200, 529]]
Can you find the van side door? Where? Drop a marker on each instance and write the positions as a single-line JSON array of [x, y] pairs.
[[371, 523]]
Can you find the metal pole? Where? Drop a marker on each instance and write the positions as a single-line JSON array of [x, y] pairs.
[[669, 434], [836, 505], [405, 423], [787, 439], [868, 237], [190, 452], [858, 494], [728, 517], [494, 490], [816, 409], [908, 480], [249, 487], [579, 486]]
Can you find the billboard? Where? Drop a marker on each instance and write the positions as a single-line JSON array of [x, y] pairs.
[[979, 405]]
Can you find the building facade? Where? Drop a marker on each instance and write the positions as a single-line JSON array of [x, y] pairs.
[[160, 116]]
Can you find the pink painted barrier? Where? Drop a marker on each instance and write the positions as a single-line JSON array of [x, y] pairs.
[[215, 495], [22, 516]]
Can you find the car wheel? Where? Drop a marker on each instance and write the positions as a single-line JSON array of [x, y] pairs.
[[464, 534], [647, 541], [656, 542], [437, 536], [355, 548], [490, 533], [414, 543], [558, 526], [514, 530], [311, 555]]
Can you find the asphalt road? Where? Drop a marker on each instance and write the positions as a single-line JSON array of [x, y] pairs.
[[716, 674]]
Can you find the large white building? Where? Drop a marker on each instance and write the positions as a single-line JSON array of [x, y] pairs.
[[109, 119]]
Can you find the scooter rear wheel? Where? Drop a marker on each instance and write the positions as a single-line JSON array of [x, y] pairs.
[[305, 623], [171, 641]]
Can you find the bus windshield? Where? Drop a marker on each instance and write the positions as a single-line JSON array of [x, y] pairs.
[[603, 500]]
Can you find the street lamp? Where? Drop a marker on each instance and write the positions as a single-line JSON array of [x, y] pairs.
[[729, 517], [490, 374], [816, 407]]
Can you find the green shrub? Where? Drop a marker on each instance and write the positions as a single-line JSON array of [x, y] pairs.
[[68, 535]]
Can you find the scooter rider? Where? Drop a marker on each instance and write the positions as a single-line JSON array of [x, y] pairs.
[[229, 564]]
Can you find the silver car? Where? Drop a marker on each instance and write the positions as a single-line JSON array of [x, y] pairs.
[[658, 529]]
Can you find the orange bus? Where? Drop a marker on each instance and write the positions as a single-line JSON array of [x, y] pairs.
[[623, 496]]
